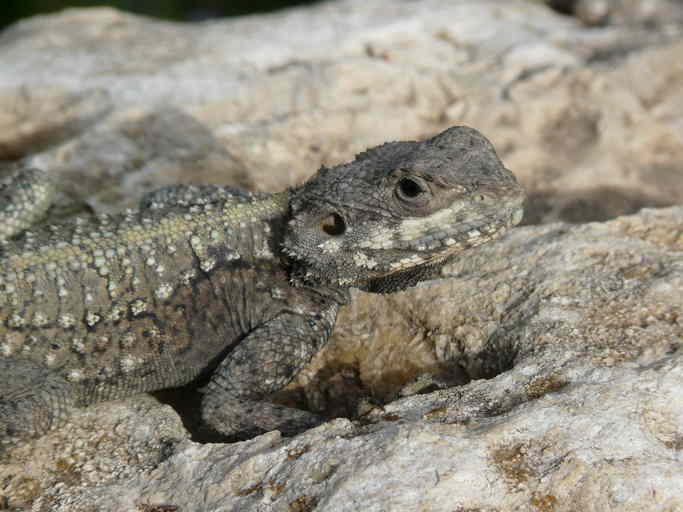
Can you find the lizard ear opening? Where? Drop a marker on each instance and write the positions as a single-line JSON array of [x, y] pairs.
[[333, 224]]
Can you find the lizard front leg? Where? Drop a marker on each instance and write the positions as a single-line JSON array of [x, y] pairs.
[[264, 362]]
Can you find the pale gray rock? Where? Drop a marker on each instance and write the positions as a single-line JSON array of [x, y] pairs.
[[571, 336], [110, 442], [564, 340]]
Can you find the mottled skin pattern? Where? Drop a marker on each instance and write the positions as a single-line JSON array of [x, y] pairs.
[[207, 282]]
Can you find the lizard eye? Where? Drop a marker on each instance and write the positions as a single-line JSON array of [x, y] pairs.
[[333, 224], [411, 190]]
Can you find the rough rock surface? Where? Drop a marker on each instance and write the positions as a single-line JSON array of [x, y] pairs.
[[564, 340], [571, 336]]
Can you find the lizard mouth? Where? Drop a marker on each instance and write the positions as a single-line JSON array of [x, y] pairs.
[[436, 247]]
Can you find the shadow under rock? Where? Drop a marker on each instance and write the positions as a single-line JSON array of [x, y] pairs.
[[337, 389]]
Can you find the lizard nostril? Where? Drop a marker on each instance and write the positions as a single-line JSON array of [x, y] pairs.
[[333, 224]]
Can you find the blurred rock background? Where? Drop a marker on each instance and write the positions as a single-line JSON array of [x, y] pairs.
[[179, 10]]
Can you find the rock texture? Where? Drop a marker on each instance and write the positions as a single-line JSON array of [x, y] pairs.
[[570, 339], [562, 341]]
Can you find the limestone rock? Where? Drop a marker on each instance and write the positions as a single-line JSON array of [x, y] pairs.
[[561, 341], [109, 442], [571, 336]]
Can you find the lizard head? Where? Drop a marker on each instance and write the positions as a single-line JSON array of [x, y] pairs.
[[398, 212]]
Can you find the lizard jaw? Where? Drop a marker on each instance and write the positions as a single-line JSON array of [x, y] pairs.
[[436, 248]]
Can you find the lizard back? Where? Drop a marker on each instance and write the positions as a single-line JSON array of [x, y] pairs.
[[131, 299]]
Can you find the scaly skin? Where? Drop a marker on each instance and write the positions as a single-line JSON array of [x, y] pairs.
[[207, 281]]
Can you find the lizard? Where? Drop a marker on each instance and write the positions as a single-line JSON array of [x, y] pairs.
[[232, 289]]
